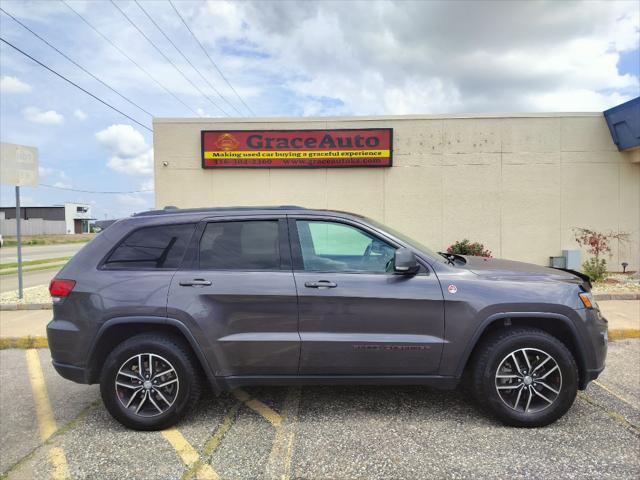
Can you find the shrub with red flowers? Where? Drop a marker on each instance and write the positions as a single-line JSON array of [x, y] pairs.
[[465, 247], [597, 244]]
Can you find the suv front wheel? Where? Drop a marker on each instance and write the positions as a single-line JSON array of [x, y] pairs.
[[149, 382], [525, 377]]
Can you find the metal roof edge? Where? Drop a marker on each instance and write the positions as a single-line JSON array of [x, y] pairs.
[[162, 120]]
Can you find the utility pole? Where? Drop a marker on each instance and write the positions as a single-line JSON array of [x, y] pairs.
[[19, 242]]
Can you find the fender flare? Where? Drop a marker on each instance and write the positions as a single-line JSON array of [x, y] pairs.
[[186, 333], [579, 342]]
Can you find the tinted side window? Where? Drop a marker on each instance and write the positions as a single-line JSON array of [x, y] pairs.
[[152, 247], [337, 247], [247, 245]]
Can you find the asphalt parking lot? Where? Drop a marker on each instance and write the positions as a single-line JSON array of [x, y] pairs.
[[52, 428]]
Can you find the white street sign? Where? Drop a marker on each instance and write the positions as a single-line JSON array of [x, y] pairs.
[[18, 165]]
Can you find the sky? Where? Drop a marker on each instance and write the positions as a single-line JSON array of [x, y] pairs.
[[279, 59]]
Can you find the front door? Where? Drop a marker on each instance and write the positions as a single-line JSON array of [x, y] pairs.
[[238, 294], [356, 316]]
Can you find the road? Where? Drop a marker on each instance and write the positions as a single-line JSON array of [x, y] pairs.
[[39, 252], [9, 283], [315, 432]]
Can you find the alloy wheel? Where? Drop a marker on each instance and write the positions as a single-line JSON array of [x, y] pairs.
[[147, 384], [528, 380]]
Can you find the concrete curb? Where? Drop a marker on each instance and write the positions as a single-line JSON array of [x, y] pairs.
[[616, 296], [623, 333], [25, 306], [23, 342]]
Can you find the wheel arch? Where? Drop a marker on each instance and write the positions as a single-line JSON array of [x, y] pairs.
[[116, 330], [556, 324]]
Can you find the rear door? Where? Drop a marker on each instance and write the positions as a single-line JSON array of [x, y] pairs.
[[356, 316], [237, 292]]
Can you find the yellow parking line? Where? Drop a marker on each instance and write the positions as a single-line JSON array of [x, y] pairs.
[[44, 414], [260, 408], [280, 458], [618, 396], [213, 443], [59, 461], [188, 454]]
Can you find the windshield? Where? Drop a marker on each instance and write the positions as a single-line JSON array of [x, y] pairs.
[[408, 240]]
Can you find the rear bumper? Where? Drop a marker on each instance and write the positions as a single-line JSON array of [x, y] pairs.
[[65, 345], [71, 372]]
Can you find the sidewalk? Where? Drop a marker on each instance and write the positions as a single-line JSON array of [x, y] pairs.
[[623, 316], [24, 323]]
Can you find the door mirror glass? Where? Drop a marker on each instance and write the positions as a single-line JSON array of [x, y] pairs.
[[405, 262]]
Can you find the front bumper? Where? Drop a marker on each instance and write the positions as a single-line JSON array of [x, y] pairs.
[[596, 327]]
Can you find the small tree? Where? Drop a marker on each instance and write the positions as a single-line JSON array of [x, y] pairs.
[[597, 244], [465, 247]]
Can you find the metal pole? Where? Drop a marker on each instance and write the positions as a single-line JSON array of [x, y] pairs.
[[19, 240]]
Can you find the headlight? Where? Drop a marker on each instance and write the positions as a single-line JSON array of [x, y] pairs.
[[587, 299]]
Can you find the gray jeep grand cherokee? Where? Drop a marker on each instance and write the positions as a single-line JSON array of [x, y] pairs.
[[161, 301]]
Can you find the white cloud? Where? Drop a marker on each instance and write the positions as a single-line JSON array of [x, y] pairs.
[[35, 115], [62, 180], [10, 84], [45, 171], [147, 186], [62, 185], [131, 154], [131, 200], [427, 57], [80, 115]]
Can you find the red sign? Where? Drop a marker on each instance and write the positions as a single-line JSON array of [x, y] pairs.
[[367, 147]]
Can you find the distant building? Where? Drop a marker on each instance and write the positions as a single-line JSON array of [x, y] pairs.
[[56, 220]]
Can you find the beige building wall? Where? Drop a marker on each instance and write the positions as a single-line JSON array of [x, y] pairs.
[[518, 184]]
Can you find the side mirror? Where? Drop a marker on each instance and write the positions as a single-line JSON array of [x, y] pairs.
[[405, 262]]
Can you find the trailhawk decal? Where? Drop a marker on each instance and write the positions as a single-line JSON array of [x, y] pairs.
[[297, 148]]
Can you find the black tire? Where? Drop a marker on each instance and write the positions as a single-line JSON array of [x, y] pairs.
[[188, 387], [491, 354]]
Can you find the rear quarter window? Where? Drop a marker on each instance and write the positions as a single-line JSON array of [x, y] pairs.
[[161, 246]]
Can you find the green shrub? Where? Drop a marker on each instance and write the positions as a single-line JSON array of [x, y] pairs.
[[595, 268], [465, 247]]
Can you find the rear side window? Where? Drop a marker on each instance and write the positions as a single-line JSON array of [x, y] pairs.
[[152, 247], [250, 245]]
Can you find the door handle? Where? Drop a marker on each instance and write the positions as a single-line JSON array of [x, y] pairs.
[[320, 284], [196, 282]]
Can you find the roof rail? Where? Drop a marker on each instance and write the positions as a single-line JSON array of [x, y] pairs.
[[168, 210]]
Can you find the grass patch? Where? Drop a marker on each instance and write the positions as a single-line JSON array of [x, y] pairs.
[[23, 342], [32, 269], [28, 263], [10, 241]]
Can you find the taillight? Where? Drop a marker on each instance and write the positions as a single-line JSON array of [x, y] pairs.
[[60, 287]]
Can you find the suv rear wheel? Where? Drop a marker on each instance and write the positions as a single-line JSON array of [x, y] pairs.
[[525, 377], [149, 382]]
